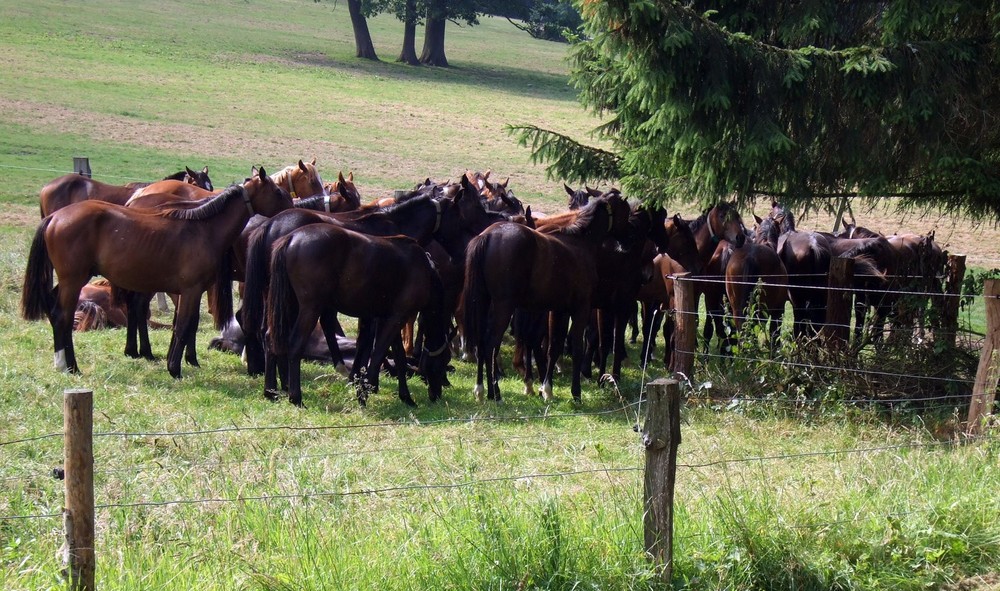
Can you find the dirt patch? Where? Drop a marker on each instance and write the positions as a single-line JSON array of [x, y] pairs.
[[987, 582]]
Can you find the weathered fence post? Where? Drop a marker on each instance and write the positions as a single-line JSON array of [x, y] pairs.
[[81, 165], [78, 430], [985, 389], [951, 299], [685, 325], [660, 436], [838, 302]]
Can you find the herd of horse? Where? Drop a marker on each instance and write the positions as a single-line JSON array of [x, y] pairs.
[[445, 268]]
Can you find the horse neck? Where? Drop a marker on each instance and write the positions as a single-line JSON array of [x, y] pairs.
[[413, 222], [227, 223], [707, 244], [283, 178]]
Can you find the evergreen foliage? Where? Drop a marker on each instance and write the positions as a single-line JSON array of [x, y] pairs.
[[800, 100]]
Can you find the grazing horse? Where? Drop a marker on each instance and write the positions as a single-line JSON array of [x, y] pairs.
[[73, 188], [175, 251], [510, 265], [321, 270]]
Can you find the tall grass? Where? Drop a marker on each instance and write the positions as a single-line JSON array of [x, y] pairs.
[[454, 495]]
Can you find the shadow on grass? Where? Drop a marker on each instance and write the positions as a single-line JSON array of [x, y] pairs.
[[484, 77]]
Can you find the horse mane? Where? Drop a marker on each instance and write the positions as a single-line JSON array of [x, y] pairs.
[[397, 208], [584, 217], [211, 207], [699, 221], [309, 202]]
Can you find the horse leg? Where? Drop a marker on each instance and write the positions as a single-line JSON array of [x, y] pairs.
[[362, 354], [190, 349], [399, 358], [61, 319], [499, 317], [386, 333], [331, 327], [142, 302], [620, 353], [305, 322], [185, 320], [558, 325], [576, 342]]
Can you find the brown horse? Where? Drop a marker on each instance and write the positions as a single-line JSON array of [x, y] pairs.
[[73, 188], [300, 179], [657, 294], [322, 270], [746, 267], [510, 265], [175, 251]]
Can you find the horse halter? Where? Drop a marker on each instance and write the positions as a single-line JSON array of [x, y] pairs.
[[611, 215], [711, 233], [246, 201], [326, 203], [291, 186], [437, 352], [437, 208]]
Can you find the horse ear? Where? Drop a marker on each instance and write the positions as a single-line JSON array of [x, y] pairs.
[[758, 219], [340, 178], [261, 173], [486, 175], [314, 161], [302, 166], [506, 181], [253, 171], [350, 175], [204, 170], [568, 190]]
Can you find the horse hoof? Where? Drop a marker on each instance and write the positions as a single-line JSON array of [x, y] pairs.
[[408, 401], [479, 393], [297, 402], [271, 395], [546, 391]]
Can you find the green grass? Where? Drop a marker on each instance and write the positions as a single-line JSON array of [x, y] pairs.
[[457, 495]]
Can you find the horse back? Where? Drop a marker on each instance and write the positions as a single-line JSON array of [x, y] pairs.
[[73, 188]]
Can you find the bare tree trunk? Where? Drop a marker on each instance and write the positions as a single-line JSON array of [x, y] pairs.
[[362, 38], [409, 53], [433, 53]]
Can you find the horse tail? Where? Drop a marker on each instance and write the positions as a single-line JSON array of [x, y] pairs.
[[37, 295], [255, 283], [220, 293], [477, 297], [282, 305], [749, 277]]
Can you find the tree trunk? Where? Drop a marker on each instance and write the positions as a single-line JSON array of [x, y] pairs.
[[433, 53], [362, 38], [409, 53]]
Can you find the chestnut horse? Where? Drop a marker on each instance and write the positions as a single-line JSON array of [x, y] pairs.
[[175, 251], [73, 188], [321, 270], [299, 180], [510, 265]]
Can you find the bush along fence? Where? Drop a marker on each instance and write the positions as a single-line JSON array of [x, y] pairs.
[[832, 340]]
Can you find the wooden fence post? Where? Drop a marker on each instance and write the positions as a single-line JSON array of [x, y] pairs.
[[78, 429], [838, 302], [685, 325], [81, 165], [660, 436], [985, 389], [951, 299]]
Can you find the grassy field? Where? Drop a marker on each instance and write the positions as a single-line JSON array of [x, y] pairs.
[[202, 484]]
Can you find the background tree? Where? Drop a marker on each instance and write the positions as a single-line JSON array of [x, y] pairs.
[[362, 37], [438, 13], [797, 100]]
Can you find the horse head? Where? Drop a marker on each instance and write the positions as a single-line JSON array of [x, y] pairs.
[[263, 196], [199, 179], [301, 180], [682, 246], [725, 223]]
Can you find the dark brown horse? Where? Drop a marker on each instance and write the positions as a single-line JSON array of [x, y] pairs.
[[657, 294], [175, 251], [510, 265], [322, 270], [73, 188], [421, 219], [749, 267]]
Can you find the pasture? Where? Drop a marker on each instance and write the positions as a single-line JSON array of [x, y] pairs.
[[204, 484]]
